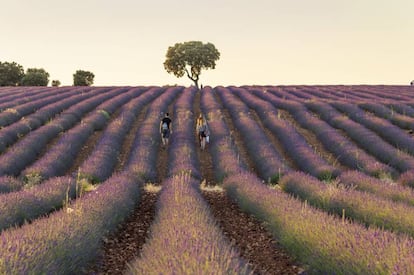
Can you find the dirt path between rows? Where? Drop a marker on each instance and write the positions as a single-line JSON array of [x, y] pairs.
[[125, 244], [254, 242]]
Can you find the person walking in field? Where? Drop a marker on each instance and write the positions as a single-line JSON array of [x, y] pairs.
[[165, 129], [202, 131]]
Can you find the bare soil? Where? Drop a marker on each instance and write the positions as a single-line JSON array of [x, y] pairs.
[[125, 244]]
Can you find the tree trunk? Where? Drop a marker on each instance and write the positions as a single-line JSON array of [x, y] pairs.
[[193, 78], [196, 83]]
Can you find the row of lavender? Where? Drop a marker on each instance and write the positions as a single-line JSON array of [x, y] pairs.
[[327, 244], [269, 163], [11, 115], [394, 162], [365, 138], [391, 103], [385, 101], [61, 155], [229, 170], [183, 220], [369, 208], [293, 143], [66, 241], [182, 156], [357, 154], [11, 93], [27, 149], [391, 215], [289, 137], [353, 93], [200, 259], [101, 162], [143, 159], [185, 238], [70, 238], [29, 101], [390, 211], [345, 151], [28, 204], [11, 133]]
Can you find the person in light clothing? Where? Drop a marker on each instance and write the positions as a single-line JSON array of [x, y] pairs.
[[202, 131]]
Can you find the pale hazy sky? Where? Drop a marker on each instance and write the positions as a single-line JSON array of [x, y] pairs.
[[264, 42]]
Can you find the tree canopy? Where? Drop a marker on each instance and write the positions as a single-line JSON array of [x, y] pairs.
[[83, 78], [189, 58], [11, 74], [56, 83], [35, 77]]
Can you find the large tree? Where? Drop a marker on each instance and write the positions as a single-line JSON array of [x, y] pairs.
[[10, 74], [35, 77], [83, 78], [190, 58]]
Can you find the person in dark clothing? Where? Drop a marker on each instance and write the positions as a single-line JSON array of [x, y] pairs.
[[165, 129]]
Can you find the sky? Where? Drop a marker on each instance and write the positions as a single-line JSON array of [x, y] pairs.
[[261, 42]]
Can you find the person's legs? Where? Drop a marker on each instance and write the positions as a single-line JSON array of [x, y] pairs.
[[203, 143], [166, 137], [163, 138]]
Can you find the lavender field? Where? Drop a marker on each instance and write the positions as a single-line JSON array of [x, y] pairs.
[[327, 170]]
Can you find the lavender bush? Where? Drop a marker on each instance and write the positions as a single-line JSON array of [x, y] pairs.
[[328, 245], [182, 155], [9, 184], [60, 157], [28, 204], [269, 163], [11, 115], [68, 240], [386, 189], [102, 160], [185, 238], [401, 108], [364, 207], [365, 138], [19, 96], [383, 128], [334, 141], [407, 178], [12, 96], [28, 148], [142, 159], [294, 144], [222, 148], [10, 134]]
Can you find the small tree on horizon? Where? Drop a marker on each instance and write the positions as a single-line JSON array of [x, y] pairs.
[[56, 83], [83, 78], [11, 73], [190, 58], [35, 77]]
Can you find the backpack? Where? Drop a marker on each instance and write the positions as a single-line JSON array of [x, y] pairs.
[[165, 126]]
